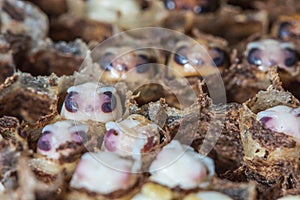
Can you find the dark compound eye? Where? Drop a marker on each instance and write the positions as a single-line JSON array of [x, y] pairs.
[[291, 57], [106, 61], [108, 93], [145, 4], [254, 57], [180, 56], [264, 120], [46, 132], [219, 59], [141, 64], [71, 104], [110, 141], [283, 30], [44, 144], [206, 6], [170, 4], [82, 137], [201, 9], [111, 132], [197, 6], [110, 105]]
